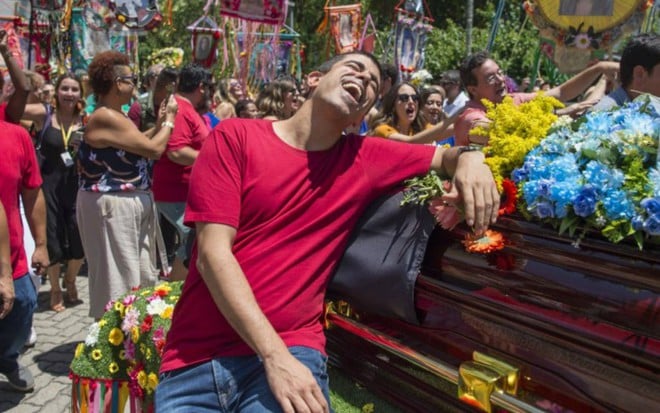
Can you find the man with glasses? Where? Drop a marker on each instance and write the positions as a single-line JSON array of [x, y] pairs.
[[172, 171], [483, 79]]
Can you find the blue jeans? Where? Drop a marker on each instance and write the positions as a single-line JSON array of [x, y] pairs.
[[15, 328], [230, 384]]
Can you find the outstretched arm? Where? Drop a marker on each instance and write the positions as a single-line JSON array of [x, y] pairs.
[[579, 83], [17, 101], [472, 182], [291, 382]]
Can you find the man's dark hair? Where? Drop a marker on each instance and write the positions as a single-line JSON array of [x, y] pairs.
[[641, 50], [191, 76], [327, 65], [167, 76], [389, 70], [470, 63]]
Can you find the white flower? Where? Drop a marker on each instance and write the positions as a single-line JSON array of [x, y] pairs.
[[156, 306], [582, 41], [93, 334]]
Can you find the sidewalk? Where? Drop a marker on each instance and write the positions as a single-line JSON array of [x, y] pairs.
[[57, 337]]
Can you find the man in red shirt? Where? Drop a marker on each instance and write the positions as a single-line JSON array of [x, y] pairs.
[[20, 177], [274, 204], [483, 79], [172, 171]]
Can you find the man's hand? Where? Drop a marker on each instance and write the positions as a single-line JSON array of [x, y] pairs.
[[7, 295], [40, 260], [294, 386], [474, 183]]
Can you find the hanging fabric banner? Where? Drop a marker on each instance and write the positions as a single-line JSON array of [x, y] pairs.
[[263, 11], [205, 37], [343, 24], [410, 41]]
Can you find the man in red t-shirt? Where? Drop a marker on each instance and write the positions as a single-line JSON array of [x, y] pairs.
[[274, 204], [483, 79], [20, 177], [172, 171]]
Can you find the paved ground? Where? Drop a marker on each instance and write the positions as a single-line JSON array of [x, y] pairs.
[[58, 334]]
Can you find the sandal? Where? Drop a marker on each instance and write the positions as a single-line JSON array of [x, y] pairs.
[[56, 301], [71, 296]]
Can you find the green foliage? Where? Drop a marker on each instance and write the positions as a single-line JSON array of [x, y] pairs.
[[515, 45]]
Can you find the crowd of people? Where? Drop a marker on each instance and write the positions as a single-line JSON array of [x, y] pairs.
[[249, 199]]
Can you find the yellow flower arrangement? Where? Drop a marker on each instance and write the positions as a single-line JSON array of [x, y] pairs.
[[514, 130]]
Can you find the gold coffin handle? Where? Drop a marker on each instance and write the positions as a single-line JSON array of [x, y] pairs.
[[486, 369]]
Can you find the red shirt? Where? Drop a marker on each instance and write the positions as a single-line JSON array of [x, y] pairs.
[[475, 111], [19, 170], [170, 179], [294, 211], [3, 112]]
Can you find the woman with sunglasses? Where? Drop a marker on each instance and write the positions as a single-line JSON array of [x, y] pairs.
[[58, 128], [400, 118], [115, 208]]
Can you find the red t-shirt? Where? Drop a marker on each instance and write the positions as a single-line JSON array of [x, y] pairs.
[[475, 111], [170, 179], [294, 211], [19, 170], [3, 112]]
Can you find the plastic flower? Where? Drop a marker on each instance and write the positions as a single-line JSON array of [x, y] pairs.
[[116, 336], [96, 354], [113, 368], [93, 334], [79, 349], [152, 382], [142, 379]]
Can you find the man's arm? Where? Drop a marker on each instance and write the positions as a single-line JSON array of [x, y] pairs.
[[579, 83], [17, 101], [35, 213], [7, 294], [184, 156], [291, 382], [472, 182]]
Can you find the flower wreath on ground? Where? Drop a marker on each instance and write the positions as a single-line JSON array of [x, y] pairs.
[[598, 172], [116, 368]]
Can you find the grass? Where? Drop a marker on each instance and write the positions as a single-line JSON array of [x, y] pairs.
[[347, 396]]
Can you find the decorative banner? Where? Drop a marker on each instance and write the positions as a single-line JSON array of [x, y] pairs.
[[574, 33], [368, 38], [137, 14], [263, 11], [343, 23], [205, 37], [269, 58], [47, 4], [410, 41]]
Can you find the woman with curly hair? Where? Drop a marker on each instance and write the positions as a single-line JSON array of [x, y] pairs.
[[278, 100], [400, 118], [58, 132], [115, 207]]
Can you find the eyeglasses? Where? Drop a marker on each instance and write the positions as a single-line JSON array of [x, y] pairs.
[[495, 77], [132, 79], [404, 97]]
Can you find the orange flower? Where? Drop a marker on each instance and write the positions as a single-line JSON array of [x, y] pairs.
[[489, 242], [509, 197]]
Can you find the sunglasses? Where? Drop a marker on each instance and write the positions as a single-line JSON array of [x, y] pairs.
[[404, 97], [129, 79]]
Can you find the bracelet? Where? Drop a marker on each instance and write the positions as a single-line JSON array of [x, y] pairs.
[[168, 124]]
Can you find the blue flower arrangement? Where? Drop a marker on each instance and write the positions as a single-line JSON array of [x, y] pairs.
[[598, 172]]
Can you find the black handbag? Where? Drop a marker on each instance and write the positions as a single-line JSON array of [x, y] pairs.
[[378, 270]]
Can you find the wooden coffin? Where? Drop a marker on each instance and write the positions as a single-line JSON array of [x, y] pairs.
[[577, 328]]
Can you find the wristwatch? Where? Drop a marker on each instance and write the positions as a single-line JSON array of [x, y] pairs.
[[469, 148]]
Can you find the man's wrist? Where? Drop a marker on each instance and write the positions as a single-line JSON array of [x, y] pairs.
[[469, 148]]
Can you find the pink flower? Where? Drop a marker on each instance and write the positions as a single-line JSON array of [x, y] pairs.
[[447, 215], [129, 299]]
